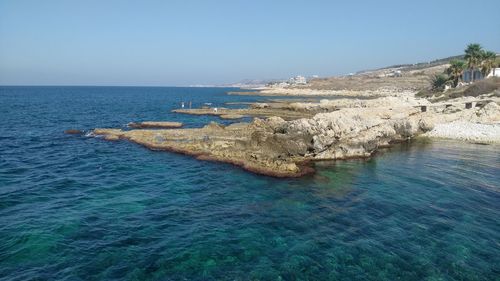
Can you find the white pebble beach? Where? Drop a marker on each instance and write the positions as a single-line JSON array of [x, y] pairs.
[[467, 131]]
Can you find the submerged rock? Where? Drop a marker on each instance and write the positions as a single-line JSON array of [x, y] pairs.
[[73, 132]]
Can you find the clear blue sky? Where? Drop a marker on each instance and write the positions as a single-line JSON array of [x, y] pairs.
[[120, 42]]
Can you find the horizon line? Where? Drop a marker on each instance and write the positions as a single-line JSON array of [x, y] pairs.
[[150, 86]]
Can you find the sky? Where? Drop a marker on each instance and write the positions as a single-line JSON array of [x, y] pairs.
[[180, 43]]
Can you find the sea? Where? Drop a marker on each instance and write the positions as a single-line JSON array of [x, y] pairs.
[[74, 207]]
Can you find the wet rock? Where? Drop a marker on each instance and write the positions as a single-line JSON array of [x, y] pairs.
[[73, 132], [154, 124]]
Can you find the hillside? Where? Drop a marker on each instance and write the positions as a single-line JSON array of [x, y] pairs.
[[418, 66], [414, 78]]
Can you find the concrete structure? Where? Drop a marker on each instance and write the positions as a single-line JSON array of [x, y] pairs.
[[495, 72], [468, 74]]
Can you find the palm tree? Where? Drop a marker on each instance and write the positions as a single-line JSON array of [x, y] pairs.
[[488, 62], [473, 54], [456, 70]]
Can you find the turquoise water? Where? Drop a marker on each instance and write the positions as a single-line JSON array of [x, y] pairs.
[[78, 208]]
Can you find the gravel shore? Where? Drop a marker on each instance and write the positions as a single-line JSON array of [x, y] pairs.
[[467, 131]]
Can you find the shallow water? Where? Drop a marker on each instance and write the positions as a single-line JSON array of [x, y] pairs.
[[78, 208]]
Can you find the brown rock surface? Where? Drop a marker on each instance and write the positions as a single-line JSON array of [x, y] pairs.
[[154, 124], [281, 148], [73, 132], [226, 113]]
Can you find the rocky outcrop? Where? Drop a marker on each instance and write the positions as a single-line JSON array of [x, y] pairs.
[[154, 124], [253, 111], [489, 113], [73, 132], [282, 148], [309, 130], [352, 133]]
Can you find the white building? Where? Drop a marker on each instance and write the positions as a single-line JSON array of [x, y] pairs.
[[298, 80], [466, 76], [495, 72]]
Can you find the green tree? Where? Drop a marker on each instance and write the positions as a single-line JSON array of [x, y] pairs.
[[488, 62], [439, 82], [473, 56], [456, 70]]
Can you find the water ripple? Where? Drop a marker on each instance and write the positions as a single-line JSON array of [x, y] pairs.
[[80, 208]]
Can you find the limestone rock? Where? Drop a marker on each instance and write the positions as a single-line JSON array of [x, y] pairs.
[[259, 105], [154, 124], [490, 112], [277, 147]]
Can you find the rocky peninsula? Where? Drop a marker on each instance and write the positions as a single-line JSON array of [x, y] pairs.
[[287, 134], [277, 147]]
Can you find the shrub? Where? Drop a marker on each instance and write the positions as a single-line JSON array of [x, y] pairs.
[[482, 87], [439, 81]]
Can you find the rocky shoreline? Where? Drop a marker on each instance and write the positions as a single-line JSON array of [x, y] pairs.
[[282, 148], [285, 136], [467, 131]]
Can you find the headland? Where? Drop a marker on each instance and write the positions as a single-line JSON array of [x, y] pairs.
[[330, 119]]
